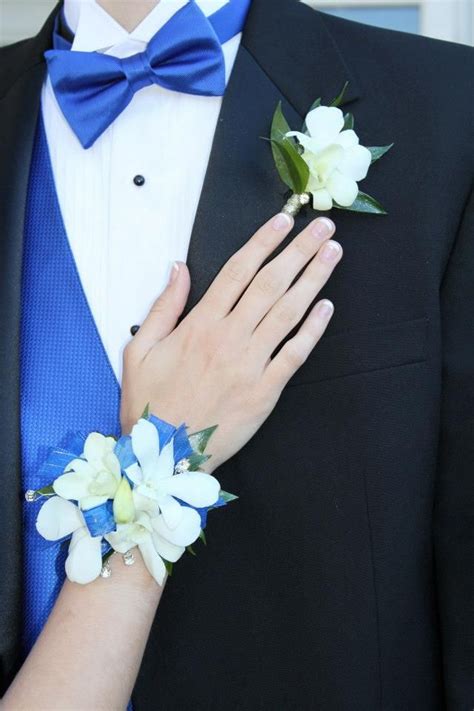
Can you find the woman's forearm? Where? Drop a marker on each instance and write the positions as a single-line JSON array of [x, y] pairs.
[[89, 653]]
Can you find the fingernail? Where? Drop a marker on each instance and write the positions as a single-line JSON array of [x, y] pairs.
[[174, 272], [282, 222], [325, 308], [322, 227], [331, 251]]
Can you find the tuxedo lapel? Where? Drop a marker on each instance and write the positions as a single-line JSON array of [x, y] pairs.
[[20, 90], [242, 189]]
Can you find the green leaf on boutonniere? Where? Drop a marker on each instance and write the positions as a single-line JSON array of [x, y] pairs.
[[348, 122], [364, 203], [203, 538], [290, 165], [280, 125], [196, 461], [225, 496], [199, 440], [46, 491], [338, 100], [379, 151], [191, 550], [146, 413], [169, 567]]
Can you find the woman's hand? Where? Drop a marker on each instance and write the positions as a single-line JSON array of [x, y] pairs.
[[216, 367]]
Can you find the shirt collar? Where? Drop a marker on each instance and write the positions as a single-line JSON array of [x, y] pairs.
[[95, 30]]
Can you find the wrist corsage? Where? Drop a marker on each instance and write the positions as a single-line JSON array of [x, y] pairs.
[[145, 490]]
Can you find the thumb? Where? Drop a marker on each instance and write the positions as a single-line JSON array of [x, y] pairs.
[[166, 310]]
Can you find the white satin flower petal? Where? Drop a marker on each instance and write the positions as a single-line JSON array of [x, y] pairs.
[[97, 446], [120, 539], [347, 138], [145, 503], [73, 485], [324, 124], [168, 551], [343, 189], [165, 462], [112, 463], [152, 560], [355, 162], [184, 534], [322, 200], [134, 473], [84, 562], [195, 488], [171, 509], [146, 447], [322, 164], [58, 518]]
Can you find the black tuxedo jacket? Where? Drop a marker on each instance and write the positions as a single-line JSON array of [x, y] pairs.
[[342, 579]]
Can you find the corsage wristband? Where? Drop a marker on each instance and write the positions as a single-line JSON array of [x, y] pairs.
[[143, 490]]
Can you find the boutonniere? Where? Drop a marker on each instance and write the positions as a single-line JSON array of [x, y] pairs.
[[323, 163]]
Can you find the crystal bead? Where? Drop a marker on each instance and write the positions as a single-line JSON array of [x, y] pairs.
[[106, 571], [31, 495], [128, 558]]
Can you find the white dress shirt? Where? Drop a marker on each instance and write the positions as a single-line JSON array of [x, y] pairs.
[[125, 238]]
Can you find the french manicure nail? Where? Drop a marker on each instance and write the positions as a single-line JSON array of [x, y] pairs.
[[331, 251], [282, 222], [174, 272], [325, 308], [322, 227]]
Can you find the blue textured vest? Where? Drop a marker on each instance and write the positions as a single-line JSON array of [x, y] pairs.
[[67, 383]]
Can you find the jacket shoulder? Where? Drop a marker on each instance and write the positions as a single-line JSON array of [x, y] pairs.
[[15, 59], [413, 54]]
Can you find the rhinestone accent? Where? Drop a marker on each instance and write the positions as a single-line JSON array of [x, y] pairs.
[[128, 558], [31, 495], [106, 571], [182, 466]]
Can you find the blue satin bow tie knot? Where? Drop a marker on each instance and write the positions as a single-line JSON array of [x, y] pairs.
[[92, 89]]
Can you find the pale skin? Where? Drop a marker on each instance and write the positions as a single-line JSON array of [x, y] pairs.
[[216, 366]]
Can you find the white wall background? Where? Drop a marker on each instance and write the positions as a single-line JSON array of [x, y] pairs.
[[447, 19]]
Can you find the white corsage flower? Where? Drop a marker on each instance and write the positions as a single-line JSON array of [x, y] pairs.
[[156, 542], [156, 486], [324, 162], [334, 157], [93, 478], [58, 519]]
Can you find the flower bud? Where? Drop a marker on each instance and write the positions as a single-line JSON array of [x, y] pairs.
[[124, 509]]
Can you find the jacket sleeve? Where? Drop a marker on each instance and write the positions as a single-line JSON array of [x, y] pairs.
[[454, 492]]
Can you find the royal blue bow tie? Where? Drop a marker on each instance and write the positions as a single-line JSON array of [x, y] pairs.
[[185, 55]]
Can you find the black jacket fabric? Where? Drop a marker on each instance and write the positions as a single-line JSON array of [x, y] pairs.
[[342, 579]]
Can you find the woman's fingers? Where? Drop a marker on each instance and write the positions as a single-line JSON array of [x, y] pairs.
[[241, 268], [276, 277], [288, 311], [295, 351], [164, 313]]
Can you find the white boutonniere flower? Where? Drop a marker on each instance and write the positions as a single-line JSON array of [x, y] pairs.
[[323, 163]]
